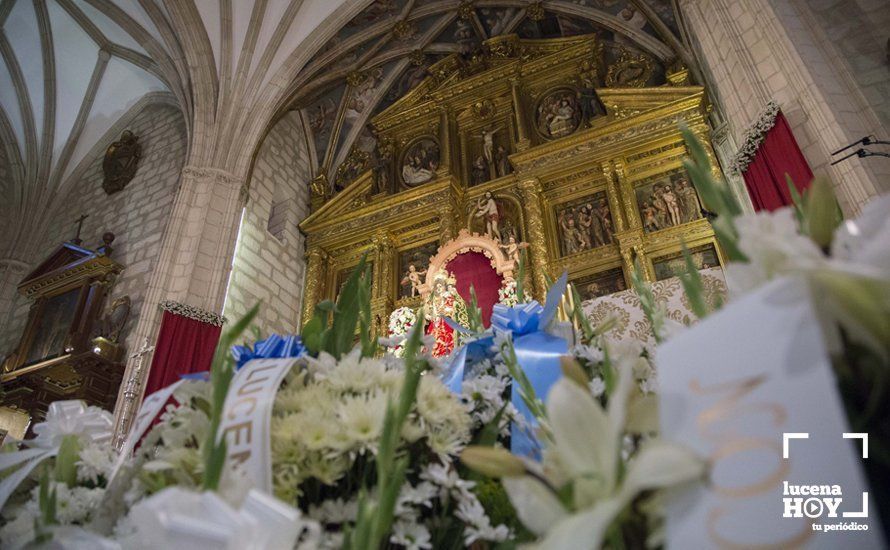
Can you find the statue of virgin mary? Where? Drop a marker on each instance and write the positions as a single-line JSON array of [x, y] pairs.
[[444, 301]]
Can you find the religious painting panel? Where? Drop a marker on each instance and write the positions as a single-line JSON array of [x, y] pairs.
[[420, 161], [498, 217], [584, 224], [674, 265], [558, 113], [667, 201], [488, 151], [52, 326], [413, 264], [600, 284]]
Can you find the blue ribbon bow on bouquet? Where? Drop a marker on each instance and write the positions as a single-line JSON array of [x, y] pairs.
[[537, 352], [273, 347]]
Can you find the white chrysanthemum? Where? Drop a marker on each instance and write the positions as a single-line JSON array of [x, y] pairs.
[[362, 418], [96, 460], [18, 531], [356, 375], [591, 354], [478, 525], [597, 386], [411, 535], [435, 402], [334, 511]]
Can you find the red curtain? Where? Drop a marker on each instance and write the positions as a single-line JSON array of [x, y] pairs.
[[778, 155], [184, 346], [474, 268]]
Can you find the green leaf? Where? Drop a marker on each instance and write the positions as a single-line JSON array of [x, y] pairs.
[[821, 213], [520, 278], [346, 314], [66, 461], [693, 285], [368, 341]]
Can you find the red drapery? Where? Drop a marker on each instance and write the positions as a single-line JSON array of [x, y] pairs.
[[777, 155], [474, 268], [184, 346]]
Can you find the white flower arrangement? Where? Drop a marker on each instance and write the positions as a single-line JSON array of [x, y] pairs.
[[507, 293], [400, 322]]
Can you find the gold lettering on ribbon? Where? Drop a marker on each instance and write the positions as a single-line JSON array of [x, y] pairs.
[[728, 442]]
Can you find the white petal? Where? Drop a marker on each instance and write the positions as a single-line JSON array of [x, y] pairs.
[[584, 530], [537, 507], [581, 431], [661, 464]]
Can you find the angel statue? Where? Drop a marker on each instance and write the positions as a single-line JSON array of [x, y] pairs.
[[444, 301], [413, 277], [512, 248]]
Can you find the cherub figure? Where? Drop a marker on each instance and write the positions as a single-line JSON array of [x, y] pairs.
[[414, 278], [512, 248]]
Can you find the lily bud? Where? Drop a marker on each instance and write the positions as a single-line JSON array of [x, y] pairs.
[[492, 461], [573, 371], [821, 212]]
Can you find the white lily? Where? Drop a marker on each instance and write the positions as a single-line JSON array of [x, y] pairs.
[[587, 442]]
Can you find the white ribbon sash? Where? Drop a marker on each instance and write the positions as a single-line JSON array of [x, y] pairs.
[[151, 407], [247, 415]]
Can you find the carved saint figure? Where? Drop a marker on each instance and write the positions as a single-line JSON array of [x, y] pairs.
[[120, 162], [503, 163], [689, 205], [671, 203], [605, 219], [413, 277], [479, 173], [571, 236], [488, 145], [487, 208]]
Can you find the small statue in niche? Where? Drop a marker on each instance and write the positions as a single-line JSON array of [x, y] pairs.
[[120, 162], [413, 277], [512, 248]]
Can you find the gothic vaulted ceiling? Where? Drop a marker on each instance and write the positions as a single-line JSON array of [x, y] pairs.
[[70, 69], [386, 49]]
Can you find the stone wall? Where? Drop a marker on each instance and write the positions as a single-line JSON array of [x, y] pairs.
[[776, 49], [137, 215], [269, 266]]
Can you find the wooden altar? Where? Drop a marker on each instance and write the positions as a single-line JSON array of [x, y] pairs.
[[69, 348], [538, 141]]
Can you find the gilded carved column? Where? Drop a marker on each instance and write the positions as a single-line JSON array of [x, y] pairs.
[[534, 222], [524, 142], [381, 297], [628, 197], [316, 273], [614, 195], [444, 142], [384, 258], [448, 222], [703, 133]]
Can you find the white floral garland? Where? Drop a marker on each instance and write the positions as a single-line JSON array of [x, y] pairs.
[[400, 322], [507, 293], [754, 136], [192, 312]]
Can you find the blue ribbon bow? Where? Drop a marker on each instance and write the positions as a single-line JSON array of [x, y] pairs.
[[273, 347], [537, 352]]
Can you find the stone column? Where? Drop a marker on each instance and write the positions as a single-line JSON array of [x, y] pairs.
[[534, 224], [195, 258], [13, 307], [316, 273], [524, 141]]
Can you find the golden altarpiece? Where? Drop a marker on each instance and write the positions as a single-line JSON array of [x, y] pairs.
[[69, 348], [540, 137]]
